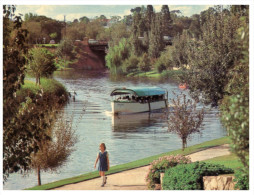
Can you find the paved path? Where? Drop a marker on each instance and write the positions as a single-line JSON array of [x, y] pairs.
[[135, 179]]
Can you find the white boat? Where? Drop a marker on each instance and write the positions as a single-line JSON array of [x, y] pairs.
[[138, 99]]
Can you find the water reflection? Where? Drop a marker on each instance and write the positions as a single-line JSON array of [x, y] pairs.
[[136, 122]]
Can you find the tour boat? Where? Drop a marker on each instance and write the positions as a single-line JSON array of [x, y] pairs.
[[138, 99]]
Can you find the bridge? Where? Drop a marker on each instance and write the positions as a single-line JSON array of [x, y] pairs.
[[99, 45], [91, 54]]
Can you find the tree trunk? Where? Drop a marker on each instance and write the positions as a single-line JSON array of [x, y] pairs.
[[39, 176], [36, 81], [184, 144]]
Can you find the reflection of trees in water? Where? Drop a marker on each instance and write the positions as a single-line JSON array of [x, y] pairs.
[[132, 123], [135, 80], [76, 74]]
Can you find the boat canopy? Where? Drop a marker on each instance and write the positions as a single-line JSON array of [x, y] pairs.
[[139, 91]]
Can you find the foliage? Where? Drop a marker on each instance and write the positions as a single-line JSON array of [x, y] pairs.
[[14, 49], [190, 176], [144, 63], [241, 179], [41, 27], [160, 65], [51, 88], [115, 33], [235, 104], [185, 119], [195, 27], [40, 63], [156, 43], [210, 59], [162, 164], [75, 31], [93, 29], [84, 19], [117, 54], [165, 60], [53, 35], [131, 64], [53, 153], [180, 48], [66, 49], [166, 20]]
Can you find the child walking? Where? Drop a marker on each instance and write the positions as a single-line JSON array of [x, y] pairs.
[[103, 163]]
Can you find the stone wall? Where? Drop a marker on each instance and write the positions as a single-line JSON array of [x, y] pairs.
[[223, 182]]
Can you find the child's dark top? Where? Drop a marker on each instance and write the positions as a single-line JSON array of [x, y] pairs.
[[103, 164]]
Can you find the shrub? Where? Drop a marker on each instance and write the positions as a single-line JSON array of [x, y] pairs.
[[144, 63], [242, 179], [160, 165], [53, 91], [190, 176], [130, 64], [160, 66]]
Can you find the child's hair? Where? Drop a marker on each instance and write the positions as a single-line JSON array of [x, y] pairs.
[[103, 145]]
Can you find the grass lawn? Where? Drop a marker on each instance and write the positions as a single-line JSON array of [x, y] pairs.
[[230, 161], [171, 74], [134, 164], [51, 88], [48, 45]]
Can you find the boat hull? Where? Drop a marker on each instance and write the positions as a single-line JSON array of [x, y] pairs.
[[136, 107]]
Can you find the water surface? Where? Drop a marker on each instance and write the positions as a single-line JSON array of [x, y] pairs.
[[127, 138]]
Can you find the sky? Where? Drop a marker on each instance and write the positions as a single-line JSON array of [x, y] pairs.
[[77, 11]]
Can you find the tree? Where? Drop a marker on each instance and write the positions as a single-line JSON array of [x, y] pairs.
[[54, 152], [149, 15], [115, 19], [180, 50], [211, 58], [93, 29], [136, 9], [166, 20], [156, 42], [165, 60], [130, 64], [117, 54], [185, 119], [40, 28], [75, 31], [84, 19], [136, 31], [53, 35], [40, 63], [144, 63], [235, 105], [127, 20], [65, 49], [195, 27], [14, 50]]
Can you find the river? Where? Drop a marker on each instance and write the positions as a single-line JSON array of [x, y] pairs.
[[127, 138]]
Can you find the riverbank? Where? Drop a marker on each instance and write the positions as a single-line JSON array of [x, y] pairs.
[[55, 92], [172, 75], [135, 179], [134, 164]]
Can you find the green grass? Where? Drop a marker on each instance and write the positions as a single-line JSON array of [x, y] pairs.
[[171, 74], [48, 45], [134, 164], [50, 87], [64, 64], [230, 161]]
